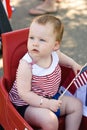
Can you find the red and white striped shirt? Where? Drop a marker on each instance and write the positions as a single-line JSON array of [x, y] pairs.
[[45, 82]]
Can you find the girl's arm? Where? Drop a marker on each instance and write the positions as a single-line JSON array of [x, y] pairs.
[[68, 62], [23, 79]]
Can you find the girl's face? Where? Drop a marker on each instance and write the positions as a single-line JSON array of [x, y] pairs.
[[41, 41]]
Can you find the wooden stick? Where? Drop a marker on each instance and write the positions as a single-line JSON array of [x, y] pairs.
[[66, 89]]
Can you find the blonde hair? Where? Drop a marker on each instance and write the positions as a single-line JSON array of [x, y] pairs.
[[56, 22]]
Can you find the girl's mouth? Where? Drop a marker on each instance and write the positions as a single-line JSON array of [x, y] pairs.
[[35, 51]]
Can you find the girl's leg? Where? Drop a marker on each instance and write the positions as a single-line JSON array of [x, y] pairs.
[[41, 118], [72, 108]]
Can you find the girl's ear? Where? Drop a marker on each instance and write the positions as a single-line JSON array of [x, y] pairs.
[[57, 45]]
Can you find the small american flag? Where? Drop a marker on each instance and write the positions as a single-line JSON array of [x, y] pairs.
[[81, 78], [79, 81]]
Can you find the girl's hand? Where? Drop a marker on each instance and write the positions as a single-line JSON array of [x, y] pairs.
[[76, 67], [54, 105]]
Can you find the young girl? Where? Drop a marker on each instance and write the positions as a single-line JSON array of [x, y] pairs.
[[35, 90]]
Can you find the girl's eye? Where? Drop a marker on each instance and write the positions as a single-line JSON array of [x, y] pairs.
[[31, 38], [42, 40]]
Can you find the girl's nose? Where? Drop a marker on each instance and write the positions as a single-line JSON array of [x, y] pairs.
[[35, 43]]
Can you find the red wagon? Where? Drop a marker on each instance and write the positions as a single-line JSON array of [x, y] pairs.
[[14, 47]]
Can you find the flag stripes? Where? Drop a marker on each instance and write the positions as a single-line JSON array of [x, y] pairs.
[[81, 80]]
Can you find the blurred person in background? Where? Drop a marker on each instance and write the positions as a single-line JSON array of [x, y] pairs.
[[7, 6], [48, 6]]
